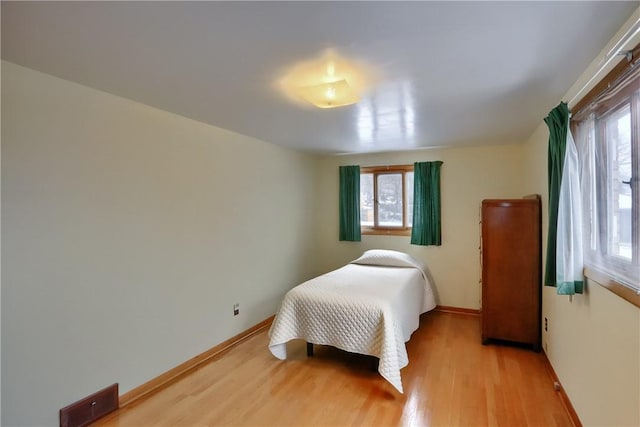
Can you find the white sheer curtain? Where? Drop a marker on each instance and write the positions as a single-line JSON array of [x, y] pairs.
[[569, 251], [606, 126], [605, 195]]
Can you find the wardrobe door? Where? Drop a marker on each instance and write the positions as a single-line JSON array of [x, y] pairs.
[[511, 271]]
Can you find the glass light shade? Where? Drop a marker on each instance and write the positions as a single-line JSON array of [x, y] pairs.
[[329, 95]]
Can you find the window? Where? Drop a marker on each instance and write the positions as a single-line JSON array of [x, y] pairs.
[[607, 137], [386, 199], [610, 207], [616, 130]]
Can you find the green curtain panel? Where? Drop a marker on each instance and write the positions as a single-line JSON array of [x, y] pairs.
[[558, 123], [350, 203], [564, 246], [426, 204]]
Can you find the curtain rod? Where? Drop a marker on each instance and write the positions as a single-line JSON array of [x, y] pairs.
[[615, 51]]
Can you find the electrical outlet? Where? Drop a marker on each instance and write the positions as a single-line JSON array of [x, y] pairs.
[[236, 309]]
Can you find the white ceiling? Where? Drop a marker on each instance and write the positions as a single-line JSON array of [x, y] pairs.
[[453, 73]]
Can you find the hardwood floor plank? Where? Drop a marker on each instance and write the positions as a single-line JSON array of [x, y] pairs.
[[451, 380]]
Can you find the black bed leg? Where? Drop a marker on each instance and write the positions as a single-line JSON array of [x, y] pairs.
[[309, 349], [375, 362]]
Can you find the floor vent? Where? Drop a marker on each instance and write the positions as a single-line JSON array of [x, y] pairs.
[[87, 410]]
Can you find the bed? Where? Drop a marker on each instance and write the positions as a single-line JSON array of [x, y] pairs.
[[370, 306]]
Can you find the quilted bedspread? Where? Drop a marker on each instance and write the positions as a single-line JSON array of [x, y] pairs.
[[362, 309]]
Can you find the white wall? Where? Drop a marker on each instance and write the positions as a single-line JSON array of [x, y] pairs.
[[593, 340], [128, 234], [468, 176]]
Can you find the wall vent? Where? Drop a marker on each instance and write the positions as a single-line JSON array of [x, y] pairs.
[[87, 410]]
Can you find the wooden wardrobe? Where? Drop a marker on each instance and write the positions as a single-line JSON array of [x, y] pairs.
[[511, 271]]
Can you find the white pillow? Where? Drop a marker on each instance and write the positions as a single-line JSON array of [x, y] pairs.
[[388, 258]]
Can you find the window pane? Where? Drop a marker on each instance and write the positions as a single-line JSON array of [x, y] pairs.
[[589, 183], [390, 200], [618, 139], [408, 181], [366, 199]]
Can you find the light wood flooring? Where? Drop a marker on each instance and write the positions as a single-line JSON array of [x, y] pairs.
[[451, 380]]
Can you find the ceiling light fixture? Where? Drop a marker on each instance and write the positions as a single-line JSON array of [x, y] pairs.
[[327, 81], [329, 95]]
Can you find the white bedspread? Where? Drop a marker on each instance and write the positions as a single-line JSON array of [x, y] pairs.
[[363, 309]]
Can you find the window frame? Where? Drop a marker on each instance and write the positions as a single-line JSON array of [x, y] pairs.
[[602, 139], [404, 230], [605, 224], [627, 95]]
